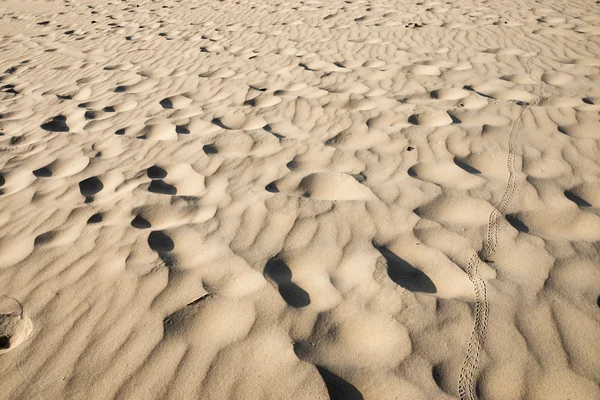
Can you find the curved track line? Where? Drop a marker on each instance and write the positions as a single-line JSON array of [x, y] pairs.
[[466, 382]]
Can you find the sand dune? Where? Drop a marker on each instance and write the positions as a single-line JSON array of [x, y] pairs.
[[300, 200]]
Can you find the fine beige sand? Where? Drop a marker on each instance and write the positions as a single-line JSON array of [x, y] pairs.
[[264, 199]]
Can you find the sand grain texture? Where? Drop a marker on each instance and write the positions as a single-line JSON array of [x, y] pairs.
[[360, 199]]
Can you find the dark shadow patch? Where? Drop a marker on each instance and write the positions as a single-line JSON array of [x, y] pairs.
[[563, 130], [141, 223], [156, 172], [305, 67], [160, 242], [281, 274], [120, 89], [89, 115], [44, 238], [200, 300], [436, 373], [168, 259], [43, 172], [162, 187], [218, 123], [338, 388], [12, 91], [95, 219], [598, 301], [109, 109], [15, 140], [272, 188], [2, 180], [466, 167], [4, 342], [576, 199], [587, 101], [471, 89], [181, 129], [294, 295], [455, 120], [479, 389], [120, 132], [291, 165], [90, 186], [279, 271], [166, 103], [412, 173], [360, 178], [57, 124], [404, 274], [517, 223], [210, 149]]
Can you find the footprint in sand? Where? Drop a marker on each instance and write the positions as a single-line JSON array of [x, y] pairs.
[[239, 121], [446, 174], [449, 94], [14, 181], [176, 102], [63, 167], [332, 186], [15, 326], [432, 119], [159, 131]]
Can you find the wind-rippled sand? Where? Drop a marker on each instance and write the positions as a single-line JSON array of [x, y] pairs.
[[300, 200]]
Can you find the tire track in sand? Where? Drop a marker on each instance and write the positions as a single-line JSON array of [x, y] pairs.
[[466, 382]]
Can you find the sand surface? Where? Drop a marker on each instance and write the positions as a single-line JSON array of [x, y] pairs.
[[300, 199]]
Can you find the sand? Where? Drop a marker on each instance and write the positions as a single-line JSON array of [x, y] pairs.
[[300, 200]]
